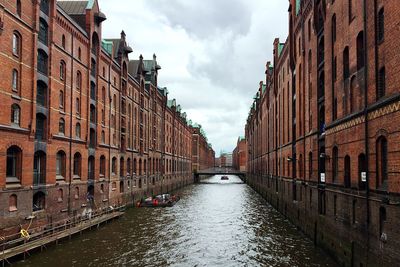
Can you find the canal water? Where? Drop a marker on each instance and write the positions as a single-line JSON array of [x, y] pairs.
[[216, 223]]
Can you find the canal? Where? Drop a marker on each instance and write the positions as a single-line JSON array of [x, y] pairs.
[[216, 223]]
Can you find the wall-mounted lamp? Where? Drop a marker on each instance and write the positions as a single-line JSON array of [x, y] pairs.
[[289, 159]]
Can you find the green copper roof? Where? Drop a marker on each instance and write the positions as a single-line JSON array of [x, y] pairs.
[[90, 4], [107, 45], [280, 47], [264, 87], [298, 5]]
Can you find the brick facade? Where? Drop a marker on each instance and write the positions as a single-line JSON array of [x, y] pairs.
[[239, 155], [203, 155], [322, 133], [81, 125]]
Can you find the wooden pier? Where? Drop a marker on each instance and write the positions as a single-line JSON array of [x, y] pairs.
[[22, 246]]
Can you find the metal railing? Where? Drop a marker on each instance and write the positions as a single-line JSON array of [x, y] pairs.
[[51, 229]]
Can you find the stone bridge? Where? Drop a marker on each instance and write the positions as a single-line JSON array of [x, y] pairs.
[[219, 171]]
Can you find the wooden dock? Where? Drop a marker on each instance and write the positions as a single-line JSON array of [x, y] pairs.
[[40, 240]]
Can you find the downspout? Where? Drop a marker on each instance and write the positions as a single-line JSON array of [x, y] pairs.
[[109, 130], [70, 129], [366, 132]]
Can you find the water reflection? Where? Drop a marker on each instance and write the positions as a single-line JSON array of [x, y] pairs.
[[217, 223]]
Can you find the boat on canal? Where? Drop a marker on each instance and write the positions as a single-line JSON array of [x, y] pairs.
[[224, 177], [159, 201]]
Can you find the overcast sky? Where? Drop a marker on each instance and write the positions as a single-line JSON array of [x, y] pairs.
[[212, 53]]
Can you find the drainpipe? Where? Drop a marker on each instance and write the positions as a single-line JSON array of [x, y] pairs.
[[366, 114], [109, 129], [70, 129]]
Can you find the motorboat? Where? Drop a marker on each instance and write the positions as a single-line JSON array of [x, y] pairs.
[[164, 200]]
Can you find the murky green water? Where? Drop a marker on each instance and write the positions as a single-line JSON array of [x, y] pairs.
[[219, 223]]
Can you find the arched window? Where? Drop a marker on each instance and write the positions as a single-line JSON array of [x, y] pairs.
[[140, 166], [43, 32], [382, 163], [15, 114], [95, 43], [63, 41], [39, 201], [347, 172], [60, 195], [12, 203], [60, 165], [15, 80], [78, 130], [114, 165], [61, 126], [77, 165], [14, 165], [62, 70], [16, 45], [79, 53], [78, 80], [76, 193], [103, 137], [134, 166], [335, 164], [102, 165]]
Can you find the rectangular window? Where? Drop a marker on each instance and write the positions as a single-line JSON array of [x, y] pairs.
[[381, 83], [381, 25], [15, 81]]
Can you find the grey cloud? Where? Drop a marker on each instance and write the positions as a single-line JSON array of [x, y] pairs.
[[212, 53], [206, 17]]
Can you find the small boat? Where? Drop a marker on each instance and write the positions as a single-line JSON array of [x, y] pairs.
[[164, 200], [224, 177]]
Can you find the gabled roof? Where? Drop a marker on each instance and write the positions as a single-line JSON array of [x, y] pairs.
[[74, 7]]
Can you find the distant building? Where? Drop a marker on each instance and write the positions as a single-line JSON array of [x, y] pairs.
[[240, 155]]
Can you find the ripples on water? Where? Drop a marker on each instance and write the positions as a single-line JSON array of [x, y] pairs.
[[217, 223]]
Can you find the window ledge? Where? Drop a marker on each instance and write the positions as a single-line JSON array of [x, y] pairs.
[[17, 97], [60, 178], [12, 209]]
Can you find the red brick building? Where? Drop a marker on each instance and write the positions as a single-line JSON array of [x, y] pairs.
[[81, 125], [323, 129], [203, 155], [239, 155]]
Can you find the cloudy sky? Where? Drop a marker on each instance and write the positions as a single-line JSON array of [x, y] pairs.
[[212, 53]]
